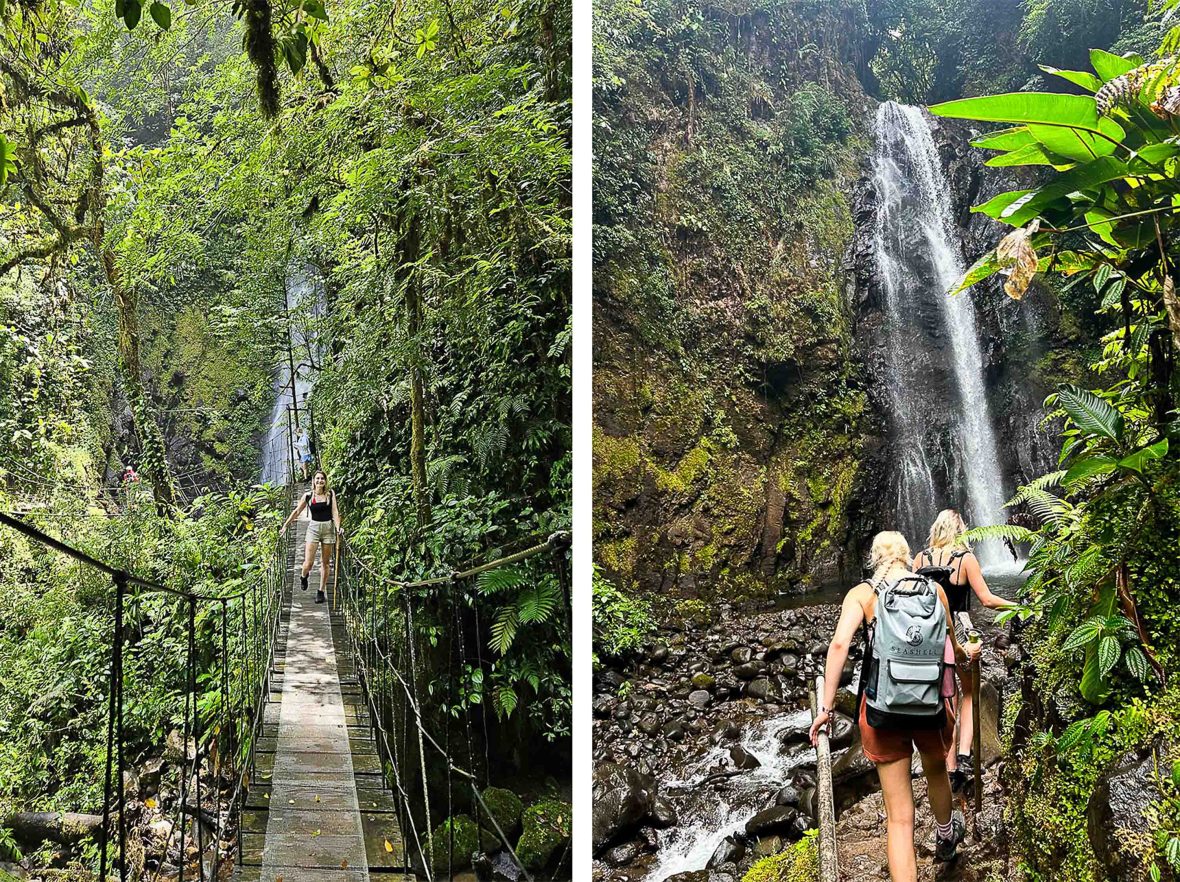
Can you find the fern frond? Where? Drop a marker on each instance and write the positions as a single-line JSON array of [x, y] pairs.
[[1043, 483], [999, 532], [504, 629], [536, 604], [500, 579]]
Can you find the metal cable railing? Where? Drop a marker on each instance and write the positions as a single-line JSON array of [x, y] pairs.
[[379, 616], [251, 618]]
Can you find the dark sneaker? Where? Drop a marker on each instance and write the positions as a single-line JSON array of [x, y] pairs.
[[303, 581], [319, 597], [958, 779], [945, 849]]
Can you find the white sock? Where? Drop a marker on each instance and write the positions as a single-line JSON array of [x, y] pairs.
[[945, 830]]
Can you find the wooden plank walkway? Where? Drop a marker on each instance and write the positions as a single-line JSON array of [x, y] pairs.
[[317, 809]]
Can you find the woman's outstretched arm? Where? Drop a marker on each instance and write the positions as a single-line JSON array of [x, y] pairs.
[[298, 511], [979, 585], [852, 614]]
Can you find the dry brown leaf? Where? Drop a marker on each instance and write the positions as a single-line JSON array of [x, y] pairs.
[[344, 865], [1172, 304], [1168, 103], [1018, 259]]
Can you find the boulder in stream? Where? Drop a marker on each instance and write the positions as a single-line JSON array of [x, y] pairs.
[[622, 799]]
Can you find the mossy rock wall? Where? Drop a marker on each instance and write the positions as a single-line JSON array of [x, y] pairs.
[[729, 411]]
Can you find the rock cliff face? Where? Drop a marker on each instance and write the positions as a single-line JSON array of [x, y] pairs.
[[729, 413]]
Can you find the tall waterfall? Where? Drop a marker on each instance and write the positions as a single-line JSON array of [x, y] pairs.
[[941, 422], [305, 304]]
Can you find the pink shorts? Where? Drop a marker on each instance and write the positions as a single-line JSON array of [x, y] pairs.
[[887, 746]]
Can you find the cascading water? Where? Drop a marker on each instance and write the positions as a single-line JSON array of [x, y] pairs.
[[941, 421], [707, 817], [306, 304]]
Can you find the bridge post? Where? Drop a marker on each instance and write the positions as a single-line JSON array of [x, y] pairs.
[[824, 796]]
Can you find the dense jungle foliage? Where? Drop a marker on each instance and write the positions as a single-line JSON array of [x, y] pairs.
[[746, 121], [1099, 690], [166, 171]]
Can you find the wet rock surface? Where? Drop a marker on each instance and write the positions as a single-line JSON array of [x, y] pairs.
[[700, 791]]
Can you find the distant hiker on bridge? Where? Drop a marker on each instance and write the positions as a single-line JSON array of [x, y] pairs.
[[303, 452], [949, 561], [904, 686], [321, 530]]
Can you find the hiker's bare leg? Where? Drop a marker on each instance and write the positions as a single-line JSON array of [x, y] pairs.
[[309, 556], [325, 562], [938, 786], [899, 812]]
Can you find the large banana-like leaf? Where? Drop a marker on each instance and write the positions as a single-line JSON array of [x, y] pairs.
[[1049, 108], [1108, 66], [1140, 458], [1080, 178], [1080, 78], [1089, 467]]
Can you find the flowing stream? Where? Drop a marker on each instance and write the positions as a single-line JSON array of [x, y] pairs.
[[706, 817], [941, 423], [306, 304]]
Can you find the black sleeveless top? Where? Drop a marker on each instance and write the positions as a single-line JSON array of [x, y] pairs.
[[320, 511], [958, 597]]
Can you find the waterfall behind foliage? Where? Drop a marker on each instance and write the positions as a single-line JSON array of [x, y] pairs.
[[306, 304], [943, 441]]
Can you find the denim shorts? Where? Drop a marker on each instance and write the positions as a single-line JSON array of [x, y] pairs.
[[321, 531]]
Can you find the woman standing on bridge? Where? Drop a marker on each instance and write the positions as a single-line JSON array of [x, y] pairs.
[[949, 561], [890, 749], [321, 531]]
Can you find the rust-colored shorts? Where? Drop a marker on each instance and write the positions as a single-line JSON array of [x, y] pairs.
[[884, 746]]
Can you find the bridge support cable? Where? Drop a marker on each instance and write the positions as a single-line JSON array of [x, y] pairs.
[[386, 643]]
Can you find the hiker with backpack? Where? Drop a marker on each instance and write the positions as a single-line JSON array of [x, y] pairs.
[[949, 561], [905, 682]]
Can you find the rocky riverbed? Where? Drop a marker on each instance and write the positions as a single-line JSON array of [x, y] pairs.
[[702, 761]]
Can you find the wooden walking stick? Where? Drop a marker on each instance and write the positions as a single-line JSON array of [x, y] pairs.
[[977, 748], [335, 570], [825, 798]]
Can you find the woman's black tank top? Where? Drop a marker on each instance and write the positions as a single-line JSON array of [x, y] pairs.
[[320, 511], [958, 597]]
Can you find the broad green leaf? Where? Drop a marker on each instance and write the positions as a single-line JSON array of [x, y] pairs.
[[1030, 154], [1109, 651], [1080, 144], [161, 14], [1137, 460], [1108, 66], [1082, 177], [7, 160], [1089, 467], [1072, 735], [1091, 414], [1093, 687], [998, 204], [1078, 77], [1136, 663], [1048, 108], [1150, 158], [315, 9], [131, 13], [1083, 634], [1006, 139]]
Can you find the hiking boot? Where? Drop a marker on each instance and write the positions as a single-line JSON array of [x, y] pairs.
[[319, 597], [945, 849], [303, 581]]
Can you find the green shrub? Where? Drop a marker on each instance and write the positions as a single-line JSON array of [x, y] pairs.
[[799, 863], [621, 623]]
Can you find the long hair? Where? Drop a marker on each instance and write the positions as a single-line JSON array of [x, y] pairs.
[[889, 548], [327, 486], [947, 531]]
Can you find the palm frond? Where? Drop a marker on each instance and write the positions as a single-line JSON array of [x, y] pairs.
[[999, 532]]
